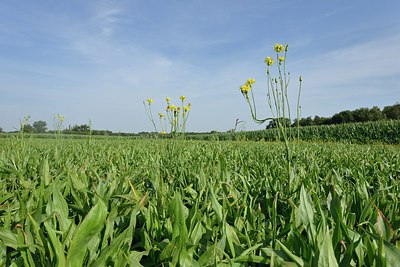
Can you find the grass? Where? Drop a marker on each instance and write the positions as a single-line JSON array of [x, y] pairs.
[[127, 202]]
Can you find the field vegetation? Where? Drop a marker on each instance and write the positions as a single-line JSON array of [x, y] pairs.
[[71, 202], [387, 132]]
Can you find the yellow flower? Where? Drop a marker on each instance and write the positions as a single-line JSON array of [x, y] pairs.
[[182, 97], [149, 100], [281, 59], [278, 48], [161, 115], [269, 61], [167, 99], [245, 89], [172, 107], [250, 81], [189, 105], [186, 108], [163, 133]]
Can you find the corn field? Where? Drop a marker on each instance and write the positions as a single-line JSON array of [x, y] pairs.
[[113, 202], [385, 131]]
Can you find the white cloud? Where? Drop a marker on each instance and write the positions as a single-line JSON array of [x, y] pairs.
[[352, 76]]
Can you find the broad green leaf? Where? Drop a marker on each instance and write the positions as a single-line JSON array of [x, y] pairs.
[[9, 238], [306, 210], [111, 250], [392, 254], [57, 246], [197, 233], [90, 226], [134, 258], [326, 253], [216, 206], [388, 252], [232, 238], [170, 252], [179, 223], [251, 249], [299, 261], [45, 172], [211, 255], [61, 207], [37, 231]]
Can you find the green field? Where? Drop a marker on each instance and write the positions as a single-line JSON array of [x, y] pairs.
[[121, 202]]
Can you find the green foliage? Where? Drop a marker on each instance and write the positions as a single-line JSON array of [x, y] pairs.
[[40, 126], [358, 115], [392, 112], [121, 202], [387, 131]]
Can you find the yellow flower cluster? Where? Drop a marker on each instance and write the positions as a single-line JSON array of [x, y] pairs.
[[269, 61], [245, 89], [172, 107], [175, 115], [247, 86], [279, 48], [250, 81]]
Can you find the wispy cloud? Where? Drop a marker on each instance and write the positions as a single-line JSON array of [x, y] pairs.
[[373, 59], [357, 75], [106, 17]]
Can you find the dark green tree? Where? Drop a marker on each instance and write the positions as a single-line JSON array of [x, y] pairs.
[[80, 128], [28, 128], [306, 121], [360, 115], [342, 117], [392, 112], [40, 126], [273, 123], [375, 114], [321, 120]]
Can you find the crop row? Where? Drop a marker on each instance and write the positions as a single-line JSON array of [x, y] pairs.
[[387, 132]]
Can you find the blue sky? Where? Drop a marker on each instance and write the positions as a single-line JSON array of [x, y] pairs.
[[99, 60]]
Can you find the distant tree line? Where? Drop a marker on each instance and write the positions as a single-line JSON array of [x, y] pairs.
[[36, 127], [346, 116], [85, 129]]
